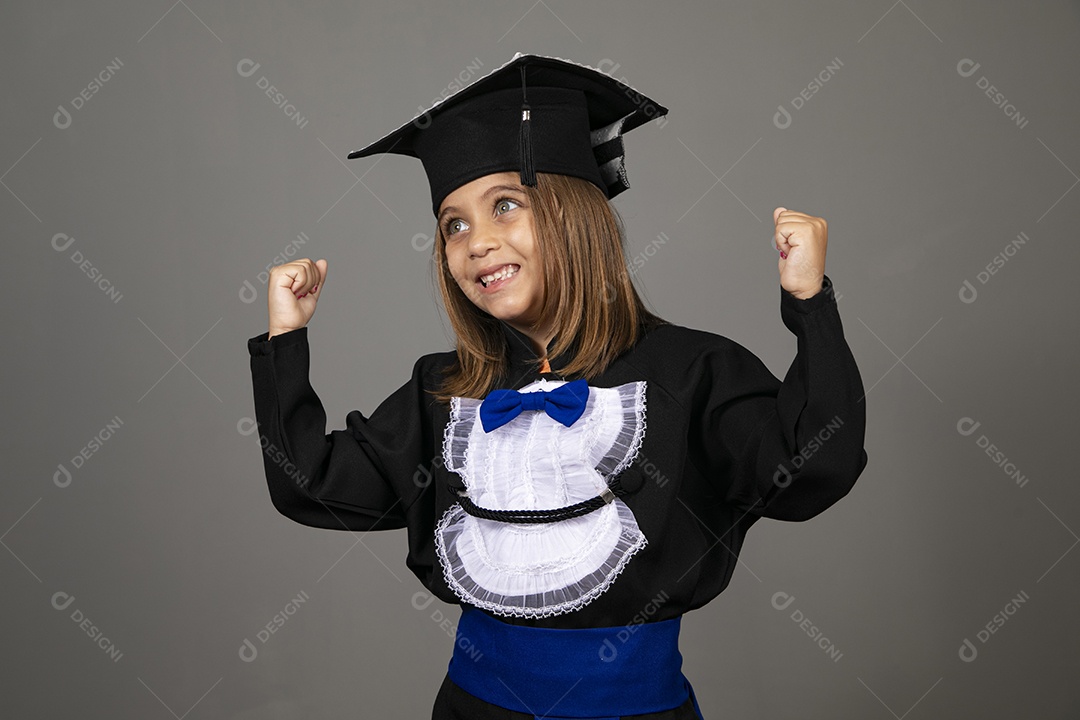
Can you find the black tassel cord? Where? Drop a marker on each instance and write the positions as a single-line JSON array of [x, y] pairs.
[[528, 172]]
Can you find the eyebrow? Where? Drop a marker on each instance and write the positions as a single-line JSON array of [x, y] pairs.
[[487, 193]]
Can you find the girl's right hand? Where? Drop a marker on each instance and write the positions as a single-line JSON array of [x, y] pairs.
[[293, 290]]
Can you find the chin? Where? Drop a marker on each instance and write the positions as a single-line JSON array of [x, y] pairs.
[[506, 314]]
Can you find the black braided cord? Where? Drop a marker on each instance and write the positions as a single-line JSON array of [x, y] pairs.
[[543, 516]]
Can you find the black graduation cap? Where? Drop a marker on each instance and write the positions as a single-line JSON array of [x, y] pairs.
[[532, 114]]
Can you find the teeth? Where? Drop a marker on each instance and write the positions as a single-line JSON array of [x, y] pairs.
[[504, 272]]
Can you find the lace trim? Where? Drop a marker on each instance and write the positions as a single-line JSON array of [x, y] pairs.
[[533, 462], [534, 590], [631, 435], [455, 442], [596, 445]]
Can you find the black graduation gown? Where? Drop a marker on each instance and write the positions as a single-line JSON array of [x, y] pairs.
[[726, 444]]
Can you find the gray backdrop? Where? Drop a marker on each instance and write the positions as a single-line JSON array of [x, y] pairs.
[[149, 179]]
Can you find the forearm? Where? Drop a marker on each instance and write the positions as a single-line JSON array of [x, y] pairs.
[[323, 480]]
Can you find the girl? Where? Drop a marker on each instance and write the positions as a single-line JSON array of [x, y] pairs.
[[579, 472]]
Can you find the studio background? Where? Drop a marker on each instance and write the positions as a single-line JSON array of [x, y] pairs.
[[149, 180]]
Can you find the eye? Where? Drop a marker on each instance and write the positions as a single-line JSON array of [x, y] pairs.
[[454, 226], [504, 205]]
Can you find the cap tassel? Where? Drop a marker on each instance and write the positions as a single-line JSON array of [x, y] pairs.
[[528, 172]]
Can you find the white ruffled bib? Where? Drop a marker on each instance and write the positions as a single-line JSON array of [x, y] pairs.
[[535, 462]]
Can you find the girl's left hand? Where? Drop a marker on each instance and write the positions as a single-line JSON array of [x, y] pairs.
[[801, 239]]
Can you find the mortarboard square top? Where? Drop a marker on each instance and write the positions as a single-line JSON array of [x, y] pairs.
[[532, 114]]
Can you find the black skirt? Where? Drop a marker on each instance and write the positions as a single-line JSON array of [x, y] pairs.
[[453, 703]]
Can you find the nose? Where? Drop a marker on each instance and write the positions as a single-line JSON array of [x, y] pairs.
[[483, 238]]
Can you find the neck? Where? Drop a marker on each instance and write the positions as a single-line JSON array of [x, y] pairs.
[[538, 337], [527, 344]]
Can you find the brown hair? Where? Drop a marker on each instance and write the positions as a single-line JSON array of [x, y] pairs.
[[588, 291]]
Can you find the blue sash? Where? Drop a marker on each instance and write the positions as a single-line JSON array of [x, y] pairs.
[[601, 673]]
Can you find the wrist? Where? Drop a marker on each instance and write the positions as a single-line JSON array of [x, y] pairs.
[[807, 294]]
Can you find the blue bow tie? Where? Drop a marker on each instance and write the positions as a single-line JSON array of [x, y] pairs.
[[565, 403]]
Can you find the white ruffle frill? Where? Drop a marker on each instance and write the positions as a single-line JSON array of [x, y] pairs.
[[535, 462]]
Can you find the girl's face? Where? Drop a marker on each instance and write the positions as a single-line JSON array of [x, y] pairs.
[[487, 225]]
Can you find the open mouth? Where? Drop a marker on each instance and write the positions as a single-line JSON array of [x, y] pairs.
[[499, 276]]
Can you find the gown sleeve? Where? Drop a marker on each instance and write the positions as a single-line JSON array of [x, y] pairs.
[[360, 478], [787, 450]]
